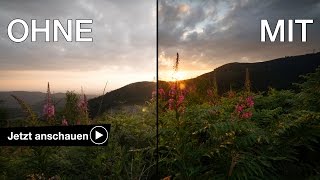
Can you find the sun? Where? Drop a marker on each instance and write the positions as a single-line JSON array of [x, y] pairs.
[[179, 76]]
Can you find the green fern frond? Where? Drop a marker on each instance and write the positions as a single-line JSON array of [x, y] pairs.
[[31, 117]]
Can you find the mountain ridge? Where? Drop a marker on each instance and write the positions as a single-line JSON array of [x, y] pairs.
[[277, 73], [132, 94]]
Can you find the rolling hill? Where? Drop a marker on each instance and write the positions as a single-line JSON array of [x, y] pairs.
[[34, 99], [31, 98], [278, 73], [132, 94]]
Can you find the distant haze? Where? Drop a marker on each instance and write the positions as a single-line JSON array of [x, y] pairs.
[[122, 51]]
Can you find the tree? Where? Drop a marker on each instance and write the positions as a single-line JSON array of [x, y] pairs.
[[71, 110], [310, 91]]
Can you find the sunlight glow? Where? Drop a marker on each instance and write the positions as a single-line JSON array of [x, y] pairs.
[[179, 75], [92, 81], [166, 75], [182, 86]]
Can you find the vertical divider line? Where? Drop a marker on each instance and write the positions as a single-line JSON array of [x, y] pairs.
[[157, 94]]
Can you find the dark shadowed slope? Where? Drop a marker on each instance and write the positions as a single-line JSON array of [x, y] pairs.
[[279, 74], [132, 94]]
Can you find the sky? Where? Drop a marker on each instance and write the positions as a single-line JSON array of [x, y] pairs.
[[123, 50], [211, 33]]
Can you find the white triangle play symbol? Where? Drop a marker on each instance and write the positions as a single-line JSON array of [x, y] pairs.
[[98, 135]]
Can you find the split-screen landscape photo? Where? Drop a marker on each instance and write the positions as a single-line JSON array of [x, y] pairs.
[[189, 88]]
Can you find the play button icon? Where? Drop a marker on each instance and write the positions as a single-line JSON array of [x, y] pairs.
[[99, 135]]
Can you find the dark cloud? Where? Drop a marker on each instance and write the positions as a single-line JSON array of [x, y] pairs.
[[214, 32], [123, 34]]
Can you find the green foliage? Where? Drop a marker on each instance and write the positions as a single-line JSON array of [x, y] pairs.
[[310, 91], [71, 110], [3, 116], [31, 117], [280, 140], [130, 153], [208, 140]]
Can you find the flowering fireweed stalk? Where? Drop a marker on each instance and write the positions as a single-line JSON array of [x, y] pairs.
[[176, 93], [48, 108], [244, 108], [83, 104], [161, 94], [83, 109], [172, 100], [76, 108], [176, 100], [130, 153]]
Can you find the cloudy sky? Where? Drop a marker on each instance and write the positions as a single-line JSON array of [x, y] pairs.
[[123, 48], [210, 33]]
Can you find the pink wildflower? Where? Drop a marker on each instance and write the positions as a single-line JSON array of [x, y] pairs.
[[48, 108], [64, 122], [239, 108], [243, 109], [83, 103], [171, 104], [153, 95], [209, 92], [176, 98], [161, 92], [246, 115], [173, 91], [249, 101], [180, 99]]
